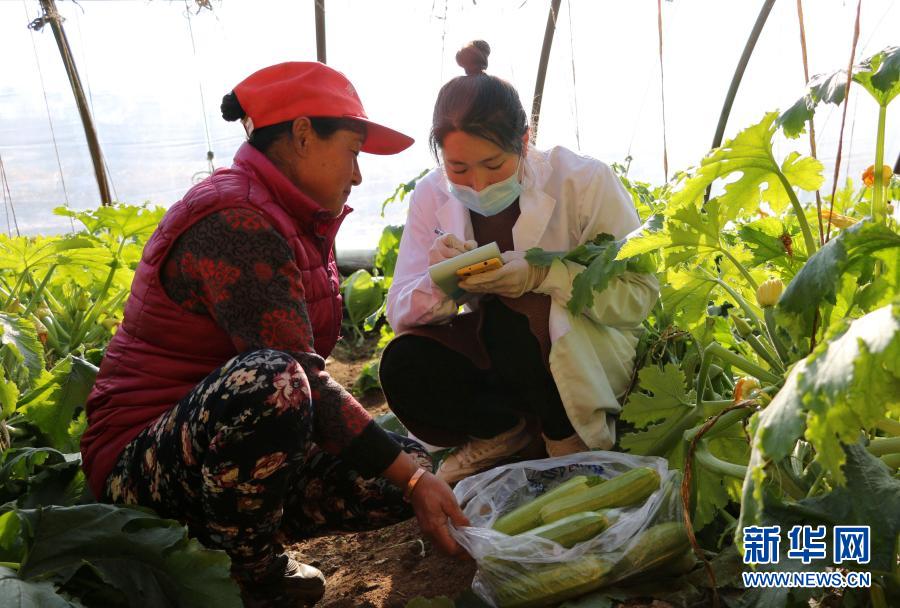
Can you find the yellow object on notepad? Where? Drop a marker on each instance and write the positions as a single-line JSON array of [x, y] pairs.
[[444, 273]]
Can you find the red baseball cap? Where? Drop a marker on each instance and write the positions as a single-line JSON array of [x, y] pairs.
[[286, 91]]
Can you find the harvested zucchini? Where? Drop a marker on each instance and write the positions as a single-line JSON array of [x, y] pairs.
[[573, 529], [527, 516], [624, 490], [553, 584]]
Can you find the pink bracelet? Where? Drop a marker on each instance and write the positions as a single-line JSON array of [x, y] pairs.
[[411, 484]]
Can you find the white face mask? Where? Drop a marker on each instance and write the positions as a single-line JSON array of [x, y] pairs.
[[493, 199]]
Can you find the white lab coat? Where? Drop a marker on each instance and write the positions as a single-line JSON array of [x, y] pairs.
[[567, 199]]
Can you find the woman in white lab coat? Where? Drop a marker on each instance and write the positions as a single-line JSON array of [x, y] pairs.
[[473, 379]]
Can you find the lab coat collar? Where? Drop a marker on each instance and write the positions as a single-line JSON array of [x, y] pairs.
[[536, 205]]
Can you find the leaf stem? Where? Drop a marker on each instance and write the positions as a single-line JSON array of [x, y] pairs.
[[15, 290], [716, 349], [798, 211], [717, 465], [737, 297], [743, 270], [765, 354], [769, 315], [721, 425], [673, 436], [39, 290], [879, 213]]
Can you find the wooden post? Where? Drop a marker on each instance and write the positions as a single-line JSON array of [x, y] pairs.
[[320, 30], [542, 68], [52, 17]]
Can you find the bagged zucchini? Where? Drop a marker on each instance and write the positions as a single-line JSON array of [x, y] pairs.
[[544, 531]]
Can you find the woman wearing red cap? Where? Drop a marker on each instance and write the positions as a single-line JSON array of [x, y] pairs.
[[520, 353], [212, 404]]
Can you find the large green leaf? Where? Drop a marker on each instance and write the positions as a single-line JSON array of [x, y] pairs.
[[120, 222], [52, 405], [149, 559], [601, 266], [695, 237], [9, 394], [363, 295], [686, 297], [820, 278], [19, 335], [827, 88], [849, 383], [31, 477], [879, 75], [31, 253], [661, 395], [17, 593], [387, 250], [602, 262], [661, 410], [750, 154]]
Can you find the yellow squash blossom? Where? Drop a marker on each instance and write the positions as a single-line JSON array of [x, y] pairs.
[[837, 220], [768, 293], [745, 388], [869, 176]]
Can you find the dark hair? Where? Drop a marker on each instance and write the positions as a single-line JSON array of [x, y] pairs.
[[479, 104], [262, 138]]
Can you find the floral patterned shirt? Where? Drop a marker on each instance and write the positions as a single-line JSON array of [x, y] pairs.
[[236, 267]]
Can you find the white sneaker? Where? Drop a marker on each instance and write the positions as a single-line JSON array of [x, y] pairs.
[[563, 447], [481, 454]]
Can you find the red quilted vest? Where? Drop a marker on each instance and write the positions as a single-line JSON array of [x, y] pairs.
[[161, 350]]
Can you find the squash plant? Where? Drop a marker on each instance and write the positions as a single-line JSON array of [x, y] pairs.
[[770, 363]]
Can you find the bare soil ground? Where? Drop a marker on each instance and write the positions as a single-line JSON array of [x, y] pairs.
[[383, 568]]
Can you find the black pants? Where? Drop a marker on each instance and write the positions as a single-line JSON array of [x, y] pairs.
[[432, 386]]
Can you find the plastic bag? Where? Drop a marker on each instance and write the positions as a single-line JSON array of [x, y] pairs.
[[528, 570]]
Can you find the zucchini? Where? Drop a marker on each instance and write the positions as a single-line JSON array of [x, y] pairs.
[[573, 529], [556, 583], [623, 490], [681, 564], [527, 516], [654, 547]]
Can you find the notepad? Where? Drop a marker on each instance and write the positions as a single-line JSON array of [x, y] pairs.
[[444, 273]]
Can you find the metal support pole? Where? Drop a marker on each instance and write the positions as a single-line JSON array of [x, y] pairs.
[[542, 68], [739, 71], [739, 74], [320, 30], [52, 17]]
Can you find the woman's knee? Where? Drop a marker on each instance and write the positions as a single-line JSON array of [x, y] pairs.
[[267, 382], [405, 357], [262, 360]]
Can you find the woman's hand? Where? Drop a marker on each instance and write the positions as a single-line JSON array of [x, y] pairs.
[[515, 278], [434, 502], [448, 246]]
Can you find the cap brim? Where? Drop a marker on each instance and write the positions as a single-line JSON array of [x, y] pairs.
[[382, 140]]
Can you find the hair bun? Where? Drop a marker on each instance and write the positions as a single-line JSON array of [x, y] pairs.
[[231, 108], [473, 57]]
